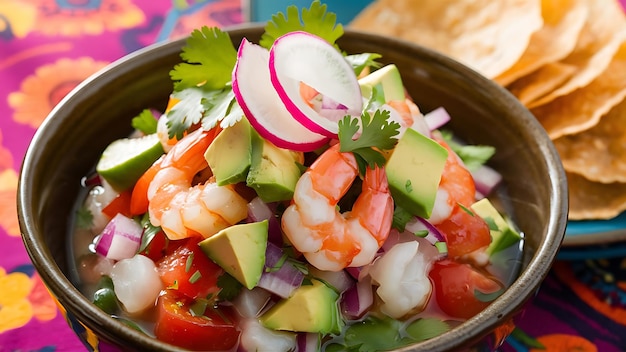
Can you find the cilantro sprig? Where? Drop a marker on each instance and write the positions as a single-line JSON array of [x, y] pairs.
[[377, 135], [315, 20], [145, 122], [473, 156]]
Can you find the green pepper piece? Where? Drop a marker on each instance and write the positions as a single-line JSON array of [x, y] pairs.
[[104, 297]]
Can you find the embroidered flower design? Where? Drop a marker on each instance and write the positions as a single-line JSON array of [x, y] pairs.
[[15, 309], [40, 92], [79, 17]]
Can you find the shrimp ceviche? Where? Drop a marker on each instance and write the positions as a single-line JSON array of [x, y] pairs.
[[291, 198]]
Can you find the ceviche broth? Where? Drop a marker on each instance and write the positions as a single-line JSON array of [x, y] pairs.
[[246, 311]]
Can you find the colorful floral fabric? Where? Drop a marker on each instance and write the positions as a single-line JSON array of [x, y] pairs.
[[48, 46]]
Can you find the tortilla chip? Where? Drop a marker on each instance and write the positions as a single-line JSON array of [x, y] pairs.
[[541, 82], [593, 200], [582, 109], [599, 39], [599, 154], [562, 22], [488, 36]]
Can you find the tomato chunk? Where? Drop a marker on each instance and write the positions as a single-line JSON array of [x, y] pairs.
[[460, 289], [180, 322], [189, 270], [119, 205], [465, 232]]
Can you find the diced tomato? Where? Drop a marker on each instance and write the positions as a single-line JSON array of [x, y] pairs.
[[160, 246], [119, 205], [189, 270], [180, 323], [465, 232], [460, 289]]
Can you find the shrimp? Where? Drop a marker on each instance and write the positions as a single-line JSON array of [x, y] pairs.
[[455, 187], [467, 235], [329, 239], [183, 210]]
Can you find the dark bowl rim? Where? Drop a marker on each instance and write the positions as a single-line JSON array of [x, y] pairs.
[[504, 307]]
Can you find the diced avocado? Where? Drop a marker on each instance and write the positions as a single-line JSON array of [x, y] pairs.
[[230, 154], [414, 170], [389, 78], [240, 251], [274, 171], [125, 160], [502, 234], [311, 308]]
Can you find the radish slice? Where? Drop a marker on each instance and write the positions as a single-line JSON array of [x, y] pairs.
[[303, 57], [262, 106], [120, 238]]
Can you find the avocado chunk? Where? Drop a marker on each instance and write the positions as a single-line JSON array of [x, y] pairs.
[[311, 308], [502, 234], [240, 251], [389, 78], [125, 160], [414, 170], [274, 171], [230, 154]]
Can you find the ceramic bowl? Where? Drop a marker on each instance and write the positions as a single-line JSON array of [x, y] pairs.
[[68, 144]]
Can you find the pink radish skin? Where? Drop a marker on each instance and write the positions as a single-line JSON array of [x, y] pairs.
[[303, 57], [262, 106]]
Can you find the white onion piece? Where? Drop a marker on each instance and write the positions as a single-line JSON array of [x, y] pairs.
[[120, 238], [303, 57], [136, 283], [261, 104], [256, 337], [249, 303], [437, 118]]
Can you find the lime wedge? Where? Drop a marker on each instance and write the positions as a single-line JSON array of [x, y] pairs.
[[125, 160]]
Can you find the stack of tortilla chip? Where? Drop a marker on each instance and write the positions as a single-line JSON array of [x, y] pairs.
[[564, 59]]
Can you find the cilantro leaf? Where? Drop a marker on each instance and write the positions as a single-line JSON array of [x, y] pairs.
[[400, 218], [149, 231], [360, 61], [314, 20], [209, 57], [377, 135], [84, 218], [230, 287], [145, 122], [197, 105], [473, 156]]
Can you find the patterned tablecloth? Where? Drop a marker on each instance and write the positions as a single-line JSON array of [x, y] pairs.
[[48, 46]]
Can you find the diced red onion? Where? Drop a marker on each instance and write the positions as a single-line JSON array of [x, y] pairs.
[[91, 180], [419, 224], [258, 210], [353, 271], [282, 280], [486, 179], [308, 342], [437, 118], [120, 238], [340, 280], [357, 299]]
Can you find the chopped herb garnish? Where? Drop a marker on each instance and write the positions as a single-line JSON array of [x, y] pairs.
[[400, 218], [174, 286], [466, 209], [189, 262], [487, 297], [473, 156], [230, 287], [195, 277], [360, 61], [408, 186], [441, 246], [491, 223], [145, 122], [314, 20], [84, 218], [421, 233], [149, 231], [198, 307], [377, 135], [279, 264]]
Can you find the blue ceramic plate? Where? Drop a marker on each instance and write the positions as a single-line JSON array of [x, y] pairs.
[[592, 239]]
